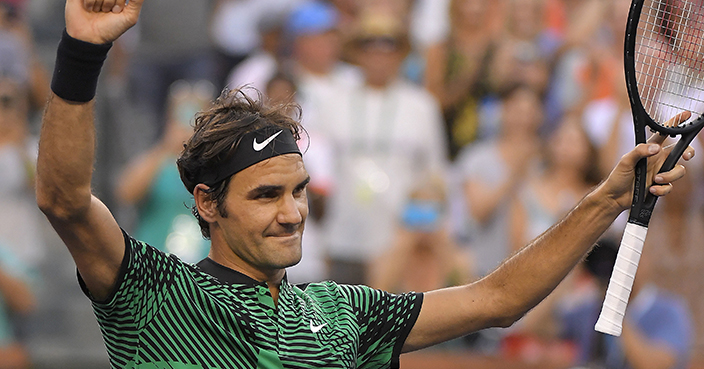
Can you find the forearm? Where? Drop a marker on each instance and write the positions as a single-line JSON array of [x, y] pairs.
[[526, 278], [533, 272], [65, 160]]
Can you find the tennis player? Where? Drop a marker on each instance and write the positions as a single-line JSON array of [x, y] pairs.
[[236, 309]]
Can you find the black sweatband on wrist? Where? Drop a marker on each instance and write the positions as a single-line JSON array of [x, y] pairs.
[[77, 68]]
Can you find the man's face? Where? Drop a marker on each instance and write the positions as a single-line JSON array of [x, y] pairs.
[[380, 59], [318, 52], [266, 207]]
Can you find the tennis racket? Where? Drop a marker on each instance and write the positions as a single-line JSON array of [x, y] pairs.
[[663, 60]]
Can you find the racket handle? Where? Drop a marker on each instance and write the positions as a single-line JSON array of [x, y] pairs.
[[612, 311]]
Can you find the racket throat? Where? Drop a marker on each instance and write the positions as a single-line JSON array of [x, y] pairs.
[[643, 201]]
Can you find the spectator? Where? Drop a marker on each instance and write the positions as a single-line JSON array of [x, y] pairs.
[[488, 175], [16, 298], [151, 180], [315, 61], [19, 220], [281, 89], [423, 256], [385, 135], [574, 73], [657, 330], [236, 30], [261, 64], [321, 77], [312, 29], [457, 70], [522, 52], [491, 173], [567, 173], [18, 59]]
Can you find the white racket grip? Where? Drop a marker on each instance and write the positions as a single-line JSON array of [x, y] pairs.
[[612, 311]]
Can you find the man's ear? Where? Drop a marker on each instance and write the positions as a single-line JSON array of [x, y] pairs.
[[206, 205]]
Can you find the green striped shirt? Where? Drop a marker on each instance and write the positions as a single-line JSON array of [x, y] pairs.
[[165, 313]]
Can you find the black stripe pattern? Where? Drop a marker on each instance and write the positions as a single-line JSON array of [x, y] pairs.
[[166, 313]]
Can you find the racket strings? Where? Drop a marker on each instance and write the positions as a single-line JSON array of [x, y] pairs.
[[669, 58]]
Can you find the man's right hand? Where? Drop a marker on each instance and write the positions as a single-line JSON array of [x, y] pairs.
[[100, 21], [618, 186]]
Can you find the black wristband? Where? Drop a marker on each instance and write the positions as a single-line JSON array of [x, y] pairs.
[[77, 68]]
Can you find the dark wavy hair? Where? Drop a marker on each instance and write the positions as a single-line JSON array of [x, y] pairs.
[[217, 132]]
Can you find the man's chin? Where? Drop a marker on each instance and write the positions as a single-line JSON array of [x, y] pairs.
[[289, 259]]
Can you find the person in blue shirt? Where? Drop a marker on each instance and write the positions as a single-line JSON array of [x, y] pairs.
[[657, 329]]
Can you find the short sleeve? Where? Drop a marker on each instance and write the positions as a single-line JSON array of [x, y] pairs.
[[145, 275], [385, 320]]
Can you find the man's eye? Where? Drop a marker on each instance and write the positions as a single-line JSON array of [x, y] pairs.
[[266, 195]]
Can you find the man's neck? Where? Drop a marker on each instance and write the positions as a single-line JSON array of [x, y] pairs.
[[234, 273], [272, 277]]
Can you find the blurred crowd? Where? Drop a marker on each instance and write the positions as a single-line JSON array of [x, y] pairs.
[[442, 136]]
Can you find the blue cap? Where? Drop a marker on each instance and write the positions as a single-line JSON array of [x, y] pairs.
[[312, 17]]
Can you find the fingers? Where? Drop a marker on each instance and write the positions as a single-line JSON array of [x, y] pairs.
[[688, 153], [660, 190], [662, 183], [639, 152], [104, 6], [134, 5], [650, 149], [670, 176], [677, 119], [674, 121]]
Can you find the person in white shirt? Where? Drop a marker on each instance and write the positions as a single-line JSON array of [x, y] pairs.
[[385, 135]]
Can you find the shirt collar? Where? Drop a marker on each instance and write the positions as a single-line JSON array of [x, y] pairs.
[[227, 275]]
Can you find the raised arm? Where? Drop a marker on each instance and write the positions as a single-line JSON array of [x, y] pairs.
[[530, 275], [67, 144]]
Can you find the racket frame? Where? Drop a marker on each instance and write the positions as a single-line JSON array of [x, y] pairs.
[[643, 201], [617, 295]]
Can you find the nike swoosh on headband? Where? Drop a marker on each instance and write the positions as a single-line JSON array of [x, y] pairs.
[[260, 146], [266, 142]]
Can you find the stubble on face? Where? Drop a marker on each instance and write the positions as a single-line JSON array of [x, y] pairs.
[[267, 207]]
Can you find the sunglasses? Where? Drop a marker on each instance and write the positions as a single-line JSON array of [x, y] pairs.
[[385, 44]]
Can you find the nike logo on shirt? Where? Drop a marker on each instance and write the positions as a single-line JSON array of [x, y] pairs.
[[260, 146], [316, 328]]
